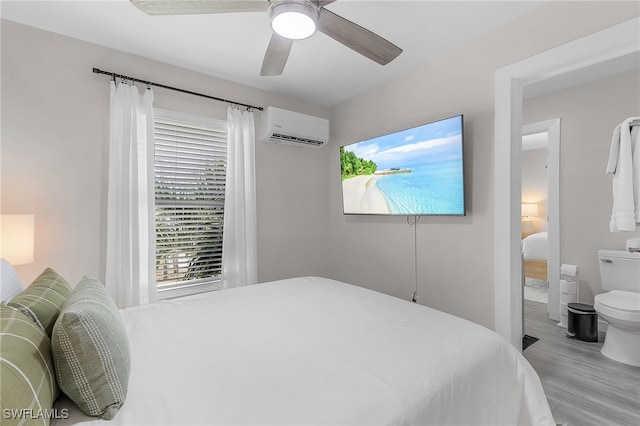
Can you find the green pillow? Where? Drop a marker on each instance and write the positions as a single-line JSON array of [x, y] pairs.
[[43, 299], [27, 378], [91, 351]]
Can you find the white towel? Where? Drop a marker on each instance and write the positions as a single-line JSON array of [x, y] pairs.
[[624, 164]]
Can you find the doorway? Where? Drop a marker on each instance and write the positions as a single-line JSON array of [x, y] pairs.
[[545, 244], [533, 229], [606, 45]]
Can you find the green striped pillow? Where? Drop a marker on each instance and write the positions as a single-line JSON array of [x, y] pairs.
[[91, 351], [43, 299], [27, 379]]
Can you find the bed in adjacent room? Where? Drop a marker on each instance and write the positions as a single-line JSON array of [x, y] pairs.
[[317, 351], [534, 254]]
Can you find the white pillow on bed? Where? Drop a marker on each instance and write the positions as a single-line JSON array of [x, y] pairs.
[[10, 285]]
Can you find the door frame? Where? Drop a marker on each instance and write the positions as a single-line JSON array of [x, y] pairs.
[[599, 47]]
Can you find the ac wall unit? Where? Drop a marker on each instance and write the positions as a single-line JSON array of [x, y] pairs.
[[292, 128]]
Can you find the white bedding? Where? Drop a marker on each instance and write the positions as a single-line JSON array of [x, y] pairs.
[[317, 351], [535, 247]]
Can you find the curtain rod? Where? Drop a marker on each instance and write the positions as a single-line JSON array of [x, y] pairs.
[[151, 83]]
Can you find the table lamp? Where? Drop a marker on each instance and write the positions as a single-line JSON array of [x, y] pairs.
[[16, 238]]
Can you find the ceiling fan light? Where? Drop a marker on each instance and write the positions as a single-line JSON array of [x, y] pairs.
[[294, 21]]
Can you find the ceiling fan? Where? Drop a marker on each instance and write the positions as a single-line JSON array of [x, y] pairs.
[[290, 20]]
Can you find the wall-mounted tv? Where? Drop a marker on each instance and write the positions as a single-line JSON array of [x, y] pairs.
[[413, 172]]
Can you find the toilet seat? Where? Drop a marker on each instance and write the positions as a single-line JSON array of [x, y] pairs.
[[619, 304]]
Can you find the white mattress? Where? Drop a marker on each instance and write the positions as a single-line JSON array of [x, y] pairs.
[[316, 351], [535, 247]]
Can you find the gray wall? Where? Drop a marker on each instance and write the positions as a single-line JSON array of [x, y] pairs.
[[588, 114], [454, 255], [534, 184], [54, 138], [55, 127]]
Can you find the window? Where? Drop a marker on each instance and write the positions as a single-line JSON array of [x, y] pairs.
[[190, 167]]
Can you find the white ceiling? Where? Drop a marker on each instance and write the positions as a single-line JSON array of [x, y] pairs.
[[232, 46]]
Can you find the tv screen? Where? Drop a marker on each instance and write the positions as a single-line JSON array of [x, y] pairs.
[[414, 172]]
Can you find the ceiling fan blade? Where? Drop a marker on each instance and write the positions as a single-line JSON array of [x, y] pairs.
[[357, 38], [276, 56], [194, 7]]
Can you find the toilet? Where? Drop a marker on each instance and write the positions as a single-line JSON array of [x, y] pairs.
[[620, 305]]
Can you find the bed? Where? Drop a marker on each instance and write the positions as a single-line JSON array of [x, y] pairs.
[[316, 351], [534, 255], [299, 351]]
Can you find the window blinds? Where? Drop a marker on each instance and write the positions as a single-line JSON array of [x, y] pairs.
[[190, 165]]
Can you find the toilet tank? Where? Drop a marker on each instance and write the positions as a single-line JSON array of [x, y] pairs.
[[619, 270]]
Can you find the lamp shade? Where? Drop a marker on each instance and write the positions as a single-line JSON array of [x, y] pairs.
[[16, 238], [529, 210]]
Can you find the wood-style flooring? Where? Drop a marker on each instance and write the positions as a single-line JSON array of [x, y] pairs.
[[583, 386]]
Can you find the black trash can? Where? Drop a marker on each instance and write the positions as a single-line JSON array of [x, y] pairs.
[[582, 322]]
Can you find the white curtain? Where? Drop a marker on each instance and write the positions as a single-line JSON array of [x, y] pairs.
[[130, 265], [239, 261]]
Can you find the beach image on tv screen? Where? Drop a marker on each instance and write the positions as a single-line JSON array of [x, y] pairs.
[[418, 171]]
